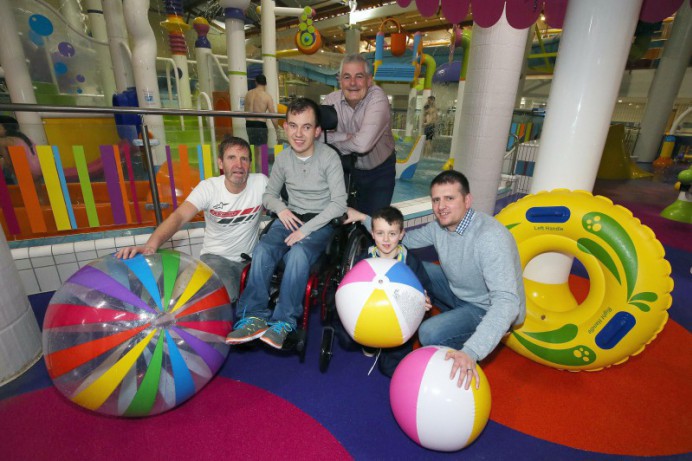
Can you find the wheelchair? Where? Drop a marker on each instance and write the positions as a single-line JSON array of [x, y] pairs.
[[345, 245], [347, 242]]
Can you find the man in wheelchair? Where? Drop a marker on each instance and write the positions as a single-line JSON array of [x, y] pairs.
[[314, 180]]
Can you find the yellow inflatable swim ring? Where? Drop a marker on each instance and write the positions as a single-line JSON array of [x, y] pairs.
[[629, 279]]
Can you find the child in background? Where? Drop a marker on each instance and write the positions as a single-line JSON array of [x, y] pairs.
[[10, 135]]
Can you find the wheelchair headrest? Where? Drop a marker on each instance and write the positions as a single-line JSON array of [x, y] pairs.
[[329, 118]]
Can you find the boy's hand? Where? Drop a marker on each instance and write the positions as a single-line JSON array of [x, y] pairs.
[[295, 237], [428, 303], [289, 220], [354, 216]]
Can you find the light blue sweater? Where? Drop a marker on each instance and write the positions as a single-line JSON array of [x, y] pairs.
[[483, 268]]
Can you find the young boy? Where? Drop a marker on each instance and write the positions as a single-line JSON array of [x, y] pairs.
[[387, 231], [314, 180]]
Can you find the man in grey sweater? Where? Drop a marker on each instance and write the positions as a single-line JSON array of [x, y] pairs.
[[478, 284], [314, 180]]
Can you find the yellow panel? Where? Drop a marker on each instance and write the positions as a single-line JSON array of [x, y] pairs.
[[93, 396], [199, 277], [87, 132], [55, 194], [378, 325]]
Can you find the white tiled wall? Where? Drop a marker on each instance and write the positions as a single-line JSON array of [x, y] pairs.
[[47, 267]]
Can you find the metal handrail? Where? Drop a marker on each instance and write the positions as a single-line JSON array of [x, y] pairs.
[[21, 107]]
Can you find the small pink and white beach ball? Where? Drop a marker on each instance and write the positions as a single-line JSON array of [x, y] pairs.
[[429, 406]]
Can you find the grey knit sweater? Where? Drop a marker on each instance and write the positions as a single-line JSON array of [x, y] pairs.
[[315, 185], [483, 268]]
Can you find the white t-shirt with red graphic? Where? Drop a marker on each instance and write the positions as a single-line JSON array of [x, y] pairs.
[[232, 220]]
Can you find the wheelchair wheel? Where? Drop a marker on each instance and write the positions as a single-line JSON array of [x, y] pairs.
[[329, 286], [358, 242], [326, 348], [297, 341]]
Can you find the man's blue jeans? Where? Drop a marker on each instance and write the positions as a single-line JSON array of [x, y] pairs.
[[458, 319], [297, 261], [228, 271]]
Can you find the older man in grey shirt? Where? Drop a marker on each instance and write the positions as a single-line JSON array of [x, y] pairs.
[[364, 128]]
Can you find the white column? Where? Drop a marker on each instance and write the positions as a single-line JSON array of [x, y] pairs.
[[176, 28], [270, 67], [20, 337], [456, 127], [234, 11], [98, 30], [203, 57], [13, 62], [184, 94], [427, 92], [580, 106], [144, 65], [665, 86], [352, 36], [585, 87], [486, 115], [118, 42], [411, 113]]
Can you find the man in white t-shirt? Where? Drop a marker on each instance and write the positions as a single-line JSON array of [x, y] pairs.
[[232, 205]]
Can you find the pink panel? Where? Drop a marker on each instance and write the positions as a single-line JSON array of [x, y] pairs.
[[427, 8], [455, 11], [361, 272], [404, 3], [521, 14], [658, 10], [555, 12], [487, 12], [7, 208], [405, 386]]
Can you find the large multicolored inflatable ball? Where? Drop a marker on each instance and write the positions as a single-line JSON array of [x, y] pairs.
[[380, 302], [137, 337], [429, 406]]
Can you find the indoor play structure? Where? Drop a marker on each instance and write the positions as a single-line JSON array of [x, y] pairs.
[[615, 161], [460, 38], [406, 166], [681, 209], [409, 148], [665, 159]]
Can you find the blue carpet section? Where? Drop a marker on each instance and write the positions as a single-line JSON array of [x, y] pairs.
[[350, 404]]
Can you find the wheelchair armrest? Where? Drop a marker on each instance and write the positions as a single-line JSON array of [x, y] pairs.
[[340, 220]]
